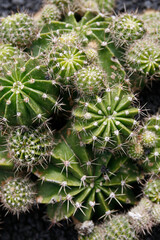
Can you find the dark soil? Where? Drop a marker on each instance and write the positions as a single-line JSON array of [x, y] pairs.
[[34, 225]]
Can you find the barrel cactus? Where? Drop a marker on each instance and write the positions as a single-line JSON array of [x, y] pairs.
[[83, 184], [25, 94]]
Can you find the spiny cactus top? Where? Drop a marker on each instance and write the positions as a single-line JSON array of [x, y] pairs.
[[152, 189], [108, 120], [126, 28], [17, 195], [84, 184], [143, 56], [25, 95], [18, 29], [89, 80], [50, 12], [150, 139], [151, 21], [30, 147], [9, 54]]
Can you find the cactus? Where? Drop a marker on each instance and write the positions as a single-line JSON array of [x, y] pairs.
[[89, 80], [9, 54], [17, 195], [143, 57], [151, 21], [18, 29], [50, 12], [126, 28], [150, 138], [25, 95], [140, 217], [107, 121], [83, 184], [151, 189], [135, 150], [156, 213], [98, 233], [29, 147], [85, 228]]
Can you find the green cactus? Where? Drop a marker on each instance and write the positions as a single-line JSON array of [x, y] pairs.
[[151, 190], [50, 12], [85, 228], [151, 21], [18, 29], [140, 217], [135, 150], [89, 80], [126, 28], [150, 138], [119, 228], [105, 5], [107, 121], [9, 54], [98, 233], [84, 184], [17, 195], [143, 57], [30, 147], [25, 95], [156, 213]]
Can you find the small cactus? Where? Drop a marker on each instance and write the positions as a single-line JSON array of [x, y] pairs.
[[50, 13], [152, 190], [135, 150], [89, 80], [29, 147], [108, 120], [17, 195], [143, 57], [18, 29], [85, 228]]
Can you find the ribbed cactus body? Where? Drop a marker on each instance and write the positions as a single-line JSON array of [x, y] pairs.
[[126, 28], [143, 57], [18, 29], [90, 80], [152, 190], [84, 184], [106, 120], [30, 147], [119, 228], [17, 195], [150, 138], [50, 13], [25, 95]]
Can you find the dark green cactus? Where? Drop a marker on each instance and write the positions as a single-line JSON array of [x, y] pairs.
[[151, 189], [25, 95], [18, 29], [106, 121], [84, 184], [50, 13]]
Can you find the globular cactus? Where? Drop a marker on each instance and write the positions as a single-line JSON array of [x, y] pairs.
[[30, 147], [105, 5], [140, 216], [155, 212], [9, 54], [25, 95], [150, 139], [83, 184], [151, 21], [65, 61], [50, 12], [17, 195], [152, 189], [90, 80], [119, 228], [135, 150], [143, 57], [18, 29], [126, 28], [106, 121]]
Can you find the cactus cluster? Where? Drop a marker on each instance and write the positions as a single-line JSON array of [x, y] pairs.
[[88, 65]]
